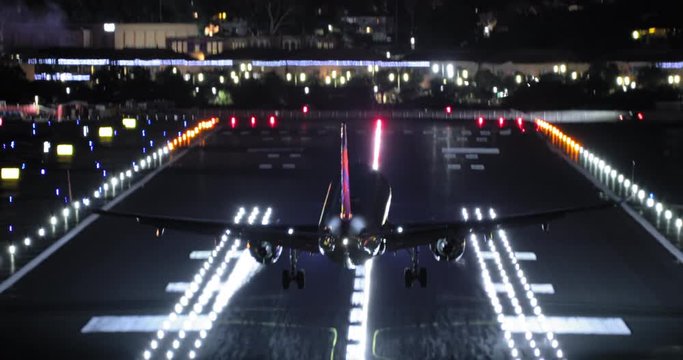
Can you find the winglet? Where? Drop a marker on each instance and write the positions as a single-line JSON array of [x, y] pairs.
[[345, 213]]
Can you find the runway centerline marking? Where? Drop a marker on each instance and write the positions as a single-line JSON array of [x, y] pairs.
[[478, 167], [568, 325], [536, 288], [288, 166], [454, 167], [265, 166], [472, 156], [519, 255]]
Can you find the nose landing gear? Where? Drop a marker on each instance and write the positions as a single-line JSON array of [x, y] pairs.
[[415, 272], [298, 276]]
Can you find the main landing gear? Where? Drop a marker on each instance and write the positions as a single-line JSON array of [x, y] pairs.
[[414, 272], [293, 274]]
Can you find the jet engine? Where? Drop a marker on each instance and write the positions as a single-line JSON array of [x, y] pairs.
[[264, 252], [448, 248]]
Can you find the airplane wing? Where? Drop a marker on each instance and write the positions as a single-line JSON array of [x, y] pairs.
[[302, 237], [416, 234]]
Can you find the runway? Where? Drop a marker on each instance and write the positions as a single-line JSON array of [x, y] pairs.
[[605, 288]]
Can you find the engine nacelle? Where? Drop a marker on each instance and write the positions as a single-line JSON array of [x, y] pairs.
[[448, 248], [264, 252]]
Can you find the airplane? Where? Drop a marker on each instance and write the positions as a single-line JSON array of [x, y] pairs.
[[354, 227]]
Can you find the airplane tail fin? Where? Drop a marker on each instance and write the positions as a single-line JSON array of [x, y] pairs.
[[345, 213]]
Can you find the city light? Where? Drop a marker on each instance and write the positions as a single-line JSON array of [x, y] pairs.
[[109, 27]]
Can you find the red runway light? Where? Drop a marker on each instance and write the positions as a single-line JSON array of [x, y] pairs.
[[501, 121], [480, 121], [640, 116], [449, 110], [520, 122], [253, 121], [621, 117], [271, 120], [305, 109], [233, 122]]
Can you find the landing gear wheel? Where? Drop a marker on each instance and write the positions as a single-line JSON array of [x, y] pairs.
[[408, 277], [422, 277], [300, 279], [285, 279]]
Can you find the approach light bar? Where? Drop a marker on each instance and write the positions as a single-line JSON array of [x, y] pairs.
[[65, 150], [10, 173], [129, 123], [226, 63]]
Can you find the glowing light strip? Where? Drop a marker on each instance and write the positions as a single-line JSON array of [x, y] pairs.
[[357, 333], [244, 269], [377, 145], [227, 63]]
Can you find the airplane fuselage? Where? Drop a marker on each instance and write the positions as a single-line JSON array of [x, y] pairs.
[[352, 238]]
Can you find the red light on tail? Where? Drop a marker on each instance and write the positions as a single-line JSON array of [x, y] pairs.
[[253, 121], [271, 120]]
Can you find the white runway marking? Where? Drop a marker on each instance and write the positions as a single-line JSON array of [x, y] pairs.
[[272, 149], [537, 288], [450, 156], [143, 323], [568, 325], [520, 255], [408, 132], [427, 132], [485, 133], [294, 155], [478, 167], [461, 138], [283, 132], [471, 150], [288, 166], [472, 156], [268, 138], [506, 132], [286, 138], [244, 132], [482, 139], [466, 132], [305, 138], [265, 166], [454, 167], [265, 132], [200, 254], [273, 156]]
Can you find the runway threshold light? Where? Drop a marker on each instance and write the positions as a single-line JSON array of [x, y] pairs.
[[640, 116], [449, 110], [253, 121], [305, 109], [480, 121], [520, 122], [501, 121], [233, 122], [271, 120]]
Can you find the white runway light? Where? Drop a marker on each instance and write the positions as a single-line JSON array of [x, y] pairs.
[[358, 316]]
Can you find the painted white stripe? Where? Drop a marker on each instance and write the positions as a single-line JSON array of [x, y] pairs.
[[485, 133], [268, 138], [408, 132], [482, 139], [244, 132], [177, 287], [200, 254], [567, 325], [472, 156], [478, 167], [466, 132], [273, 156], [294, 155], [288, 166], [450, 156], [471, 150], [461, 139], [454, 167], [265, 166], [427, 132], [536, 288], [85, 223], [520, 255], [506, 132], [265, 132], [143, 323], [283, 132], [286, 138], [305, 138]]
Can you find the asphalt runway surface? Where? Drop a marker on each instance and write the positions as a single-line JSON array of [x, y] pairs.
[[607, 289]]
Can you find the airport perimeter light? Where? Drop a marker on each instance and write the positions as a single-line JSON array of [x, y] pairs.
[[109, 27]]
